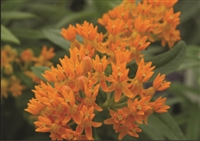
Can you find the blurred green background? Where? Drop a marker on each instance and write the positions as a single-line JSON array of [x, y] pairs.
[[36, 23]]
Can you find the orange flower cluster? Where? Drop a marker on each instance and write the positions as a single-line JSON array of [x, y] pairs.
[[154, 19], [66, 105], [10, 58]]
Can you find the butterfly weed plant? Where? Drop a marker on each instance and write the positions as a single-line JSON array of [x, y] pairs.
[[103, 72]]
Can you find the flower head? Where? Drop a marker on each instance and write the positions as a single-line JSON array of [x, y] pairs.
[[45, 56], [87, 115], [27, 55], [70, 33]]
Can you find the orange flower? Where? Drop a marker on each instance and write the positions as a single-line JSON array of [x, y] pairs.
[[144, 8], [117, 119], [123, 57], [159, 105], [119, 12], [71, 135], [8, 55], [91, 93], [138, 109], [27, 55], [113, 46], [72, 108], [34, 107], [144, 71], [115, 26], [170, 34], [142, 25], [8, 69], [148, 92], [45, 56], [44, 124], [139, 43], [4, 87], [119, 79], [136, 45], [15, 87], [136, 86], [160, 84], [104, 20], [87, 115], [70, 33], [171, 18], [87, 31], [131, 130], [87, 64], [99, 67]]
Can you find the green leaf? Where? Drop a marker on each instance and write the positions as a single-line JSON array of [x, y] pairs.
[[72, 17], [39, 71], [7, 36], [16, 15], [188, 63], [165, 63], [192, 130], [55, 36], [192, 8], [193, 52], [164, 124], [169, 61], [102, 6], [28, 81], [152, 132], [15, 5], [190, 94], [28, 33]]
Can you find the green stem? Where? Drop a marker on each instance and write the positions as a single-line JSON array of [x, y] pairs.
[[118, 105], [107, 103], [122, 98], [71, 123]]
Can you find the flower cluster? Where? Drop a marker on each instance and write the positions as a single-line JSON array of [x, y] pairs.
[[154, 19], [98, 65], [11, 61]]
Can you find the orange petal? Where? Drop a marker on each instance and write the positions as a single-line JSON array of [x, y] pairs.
[[96, 124], [121, 135], [127, 92], [77, 118], [44, 129], [79, 129], [118, 93], [103, 85], [109, 121], [88, 132], [97, 107]]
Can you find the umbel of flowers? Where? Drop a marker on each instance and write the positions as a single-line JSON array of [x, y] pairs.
[[98, 66], [13, 61]]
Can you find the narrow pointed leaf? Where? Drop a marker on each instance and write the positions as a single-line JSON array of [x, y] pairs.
[[167, 126], [39, 71], [73, 17], [192, 132], [55, 37], [16, 15], [27, 80], [7, 36], [152, 132], [165, 63], [169, 61]]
